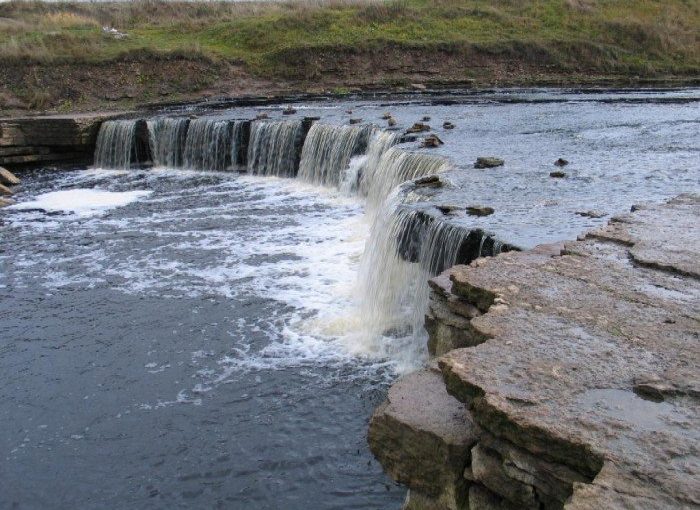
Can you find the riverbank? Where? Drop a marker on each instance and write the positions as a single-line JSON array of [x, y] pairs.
[[84, 56]]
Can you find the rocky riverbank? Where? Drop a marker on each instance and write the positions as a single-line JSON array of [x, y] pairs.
[[568, 375]]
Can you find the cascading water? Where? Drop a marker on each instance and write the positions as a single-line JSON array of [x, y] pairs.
[[394, 167], [116, 144], [210, 144], [380, 142], [166, 137], [327, 152], [273, 149]]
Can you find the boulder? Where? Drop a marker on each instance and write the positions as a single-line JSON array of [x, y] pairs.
[[418, 127], [386, 116], [447, 208], [425, 119], [423, 438], [7, 177], [355, 121], [262, 116], [391, 121], [432, 141], [448, 125], [289, 111], [429, 181], [561, 162], [480, 210], [557, 174], [488, 162]]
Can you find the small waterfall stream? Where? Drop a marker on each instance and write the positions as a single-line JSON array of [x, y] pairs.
[[210, 144], [166, 137], [327, 152], [273, 148], [116, 144]]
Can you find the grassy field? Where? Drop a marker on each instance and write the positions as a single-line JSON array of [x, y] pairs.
[[335, 45]]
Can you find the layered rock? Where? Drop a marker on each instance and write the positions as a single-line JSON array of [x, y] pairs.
[[579, 365], [49, 139]]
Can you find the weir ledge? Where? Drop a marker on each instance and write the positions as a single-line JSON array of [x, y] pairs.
[[569, 376]]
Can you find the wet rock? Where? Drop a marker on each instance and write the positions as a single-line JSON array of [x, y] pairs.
[[423, 437], [480, 210], [432, 141], [591, 214], [289, 111], [447, 208], [561, 162], [488, 162], [262, 116], [425, 119], [448, 125], [418, 127], [391, 121], [557, 174], [355, 121], [349, 112], [428, 180], [4, 190], [4, 202], [7, 177], [386, 116]]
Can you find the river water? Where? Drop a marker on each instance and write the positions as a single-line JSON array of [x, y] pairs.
[[186, 339]]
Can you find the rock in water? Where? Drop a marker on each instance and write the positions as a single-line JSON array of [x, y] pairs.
[[386, 116], [289, 111], [355, 121], [418, 127], [4, 202], [488, 162], [591, 214], [448, 125], [426, 119], [391, 121], [447, 208], [262, 116], [4, 190], [480, 210], [432, 141], [561, 162], [557, 174], [7, 177], [428, 180]]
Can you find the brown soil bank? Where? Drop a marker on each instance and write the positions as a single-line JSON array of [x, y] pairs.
[[66, 57]]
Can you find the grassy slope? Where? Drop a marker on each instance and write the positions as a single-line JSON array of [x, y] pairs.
[[325, 42]]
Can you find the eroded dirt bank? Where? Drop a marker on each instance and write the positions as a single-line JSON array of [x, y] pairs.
[[568, 375]]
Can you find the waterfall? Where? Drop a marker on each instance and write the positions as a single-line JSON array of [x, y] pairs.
[[273, 149], [406, 247], [394, 167], [166, 137], [210, 144], [380, 141], [116, 144], [327, 151]]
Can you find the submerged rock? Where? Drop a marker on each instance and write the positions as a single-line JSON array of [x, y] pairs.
[[447, 208], [391, 121], [488, 162], [429, 180], [432, 141], [289, 111], [557, 174], [262, 116], [448, 125], [355, 121], [480, 210], [386, 116], [425, 119], [592, 214], [7, 177], [418, 127], [561, 162]]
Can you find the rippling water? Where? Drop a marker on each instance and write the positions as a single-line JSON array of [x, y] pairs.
[[190, 339]]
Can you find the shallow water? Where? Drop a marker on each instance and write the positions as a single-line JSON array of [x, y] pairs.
[[200, 345]]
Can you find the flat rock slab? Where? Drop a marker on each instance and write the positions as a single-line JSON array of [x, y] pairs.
[[592, 357]]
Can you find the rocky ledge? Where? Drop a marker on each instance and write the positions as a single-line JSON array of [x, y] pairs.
[[573, 379], [66, 139]]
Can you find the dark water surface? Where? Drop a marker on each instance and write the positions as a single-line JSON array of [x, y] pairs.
[[196, 347]]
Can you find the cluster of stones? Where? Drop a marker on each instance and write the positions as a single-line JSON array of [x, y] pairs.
[[564, 377]]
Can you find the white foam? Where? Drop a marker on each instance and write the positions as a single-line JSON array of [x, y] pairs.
[[81, 202]]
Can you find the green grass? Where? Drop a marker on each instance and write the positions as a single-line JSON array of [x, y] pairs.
[[661, 35]]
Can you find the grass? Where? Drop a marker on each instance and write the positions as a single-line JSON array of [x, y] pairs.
[[286, 40]]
